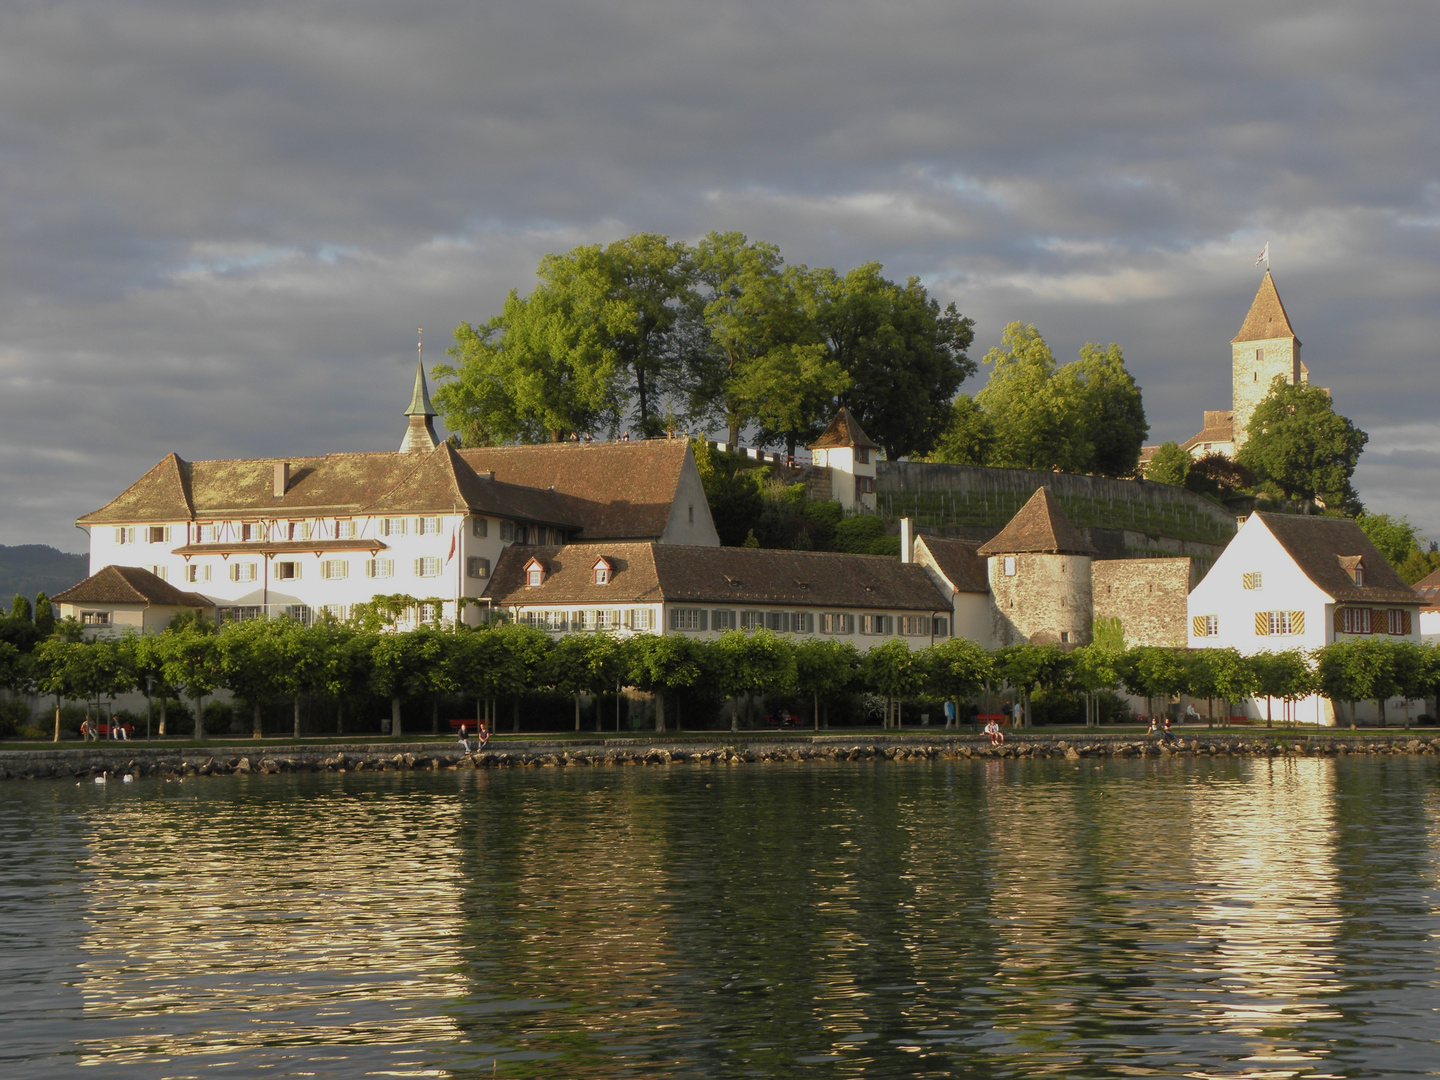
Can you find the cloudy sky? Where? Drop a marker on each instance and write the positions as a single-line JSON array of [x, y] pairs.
[[223, 221]]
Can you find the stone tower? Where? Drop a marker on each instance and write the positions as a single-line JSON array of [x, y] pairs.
[[420, 436], [1039, 568], [1265, 347]]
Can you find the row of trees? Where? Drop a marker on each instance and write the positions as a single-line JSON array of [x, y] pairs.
[[1084, 417], [723, 332], [263, 661]]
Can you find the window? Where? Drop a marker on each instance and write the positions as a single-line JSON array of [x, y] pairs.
[[720, 619], [1009, 565], [837, 622], [95, 618], [125, 534], [1279, 623], [802, 622], [942, 627], [195, 573], [287, 571], [778, 621], [158, 534], [428, 567], [427, 526], [1259, 356], [1064, 637], [477, 567], [864, 485], [428, 613], [1205, 625], [1359, 575], [335, 611], [243, 613], [392, 526], [692, 515], [689, 619], [251, 530], [1398, 622], [379, 568], [300, 613], [242, 571], [507, 532], [297, 530], [345, 530], [335, 569], [158, 571], [1252, 581], [1354, 620], [752, 620], [207, 534], [919, 626], [522, 534], [600, 572], [862, 455], [480, 527], [642, 618], [876, 625]]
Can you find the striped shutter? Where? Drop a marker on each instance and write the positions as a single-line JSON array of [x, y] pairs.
[[1262, 624], [1247, 581], [1339, 620], [1297, 622], [1197, 626], [1379, 621], [1405, 625]]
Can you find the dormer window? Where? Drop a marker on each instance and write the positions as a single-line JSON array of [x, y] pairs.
[[1359, 575], [534, 573], [601, 571], [1354, 568]]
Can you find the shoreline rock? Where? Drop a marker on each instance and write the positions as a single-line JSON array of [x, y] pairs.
[[96, 762]]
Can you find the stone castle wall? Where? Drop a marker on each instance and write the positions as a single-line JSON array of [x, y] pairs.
[[1251, 379], [1146, 595], [1047, 600]]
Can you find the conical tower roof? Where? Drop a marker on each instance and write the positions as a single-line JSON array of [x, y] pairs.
[[844, 430], [420, 398], [1266, 319], [1041, 527]]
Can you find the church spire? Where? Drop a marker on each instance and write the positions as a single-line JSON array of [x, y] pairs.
[[420, 436]]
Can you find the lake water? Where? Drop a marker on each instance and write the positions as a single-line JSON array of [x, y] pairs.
[[1175, 917]]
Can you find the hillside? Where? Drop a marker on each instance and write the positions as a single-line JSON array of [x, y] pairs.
[[31, 568]]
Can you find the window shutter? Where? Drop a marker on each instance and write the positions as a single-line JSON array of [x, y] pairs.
[[1378, 621], [1247, 581], [1197, 626], [704, 619], [417, 566], [1262, 624], [1405, 625], [1339, 620], [1297, 622]]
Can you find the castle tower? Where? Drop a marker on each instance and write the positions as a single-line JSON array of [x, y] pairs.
[[1265, 347], [849, 454], [1039, 568], [420, 436]]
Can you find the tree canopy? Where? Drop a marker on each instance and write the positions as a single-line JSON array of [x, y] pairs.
[[1300, 445]]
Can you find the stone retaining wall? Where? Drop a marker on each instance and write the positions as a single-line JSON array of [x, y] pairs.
[[110, 763]]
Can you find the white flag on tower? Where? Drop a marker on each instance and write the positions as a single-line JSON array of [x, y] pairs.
[[1264, 256]]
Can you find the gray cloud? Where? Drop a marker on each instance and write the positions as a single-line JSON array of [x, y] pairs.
[[221, 223]]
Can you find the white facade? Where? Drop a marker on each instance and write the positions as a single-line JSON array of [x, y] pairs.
[[1257, 598]]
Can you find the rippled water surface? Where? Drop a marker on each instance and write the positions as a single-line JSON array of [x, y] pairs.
[[1234, 917]]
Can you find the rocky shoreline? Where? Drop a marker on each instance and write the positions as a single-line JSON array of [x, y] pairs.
[[122, 761]]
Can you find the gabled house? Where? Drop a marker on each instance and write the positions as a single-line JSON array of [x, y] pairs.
[[127, 599], [1292, 582], [850, 455]]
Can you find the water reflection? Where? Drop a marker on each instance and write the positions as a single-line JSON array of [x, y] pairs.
[[1235, 917]]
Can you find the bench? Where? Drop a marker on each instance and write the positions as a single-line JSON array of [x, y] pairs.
[[106, 729]]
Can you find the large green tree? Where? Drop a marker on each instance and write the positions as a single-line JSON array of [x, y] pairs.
[[1110, 407], [968, 437], [905, 355], [1298, 443]]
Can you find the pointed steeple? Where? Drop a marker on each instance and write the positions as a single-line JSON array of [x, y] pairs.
[[1266, 319], [420, 436], [1039, 526]]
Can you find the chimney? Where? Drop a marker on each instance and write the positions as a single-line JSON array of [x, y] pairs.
[[907, 541], [282, 478]]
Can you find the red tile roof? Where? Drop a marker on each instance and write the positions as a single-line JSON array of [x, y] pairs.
[[1266, 318], [844, 430], [1319, 544], [1039, 526], [650, 573], [129, 585]]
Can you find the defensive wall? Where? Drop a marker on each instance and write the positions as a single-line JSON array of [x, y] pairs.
[[1123, 519]]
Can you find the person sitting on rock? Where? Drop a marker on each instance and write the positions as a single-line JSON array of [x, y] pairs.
[[997, 737], [484, 733], [1166, 735], [1154, 728]]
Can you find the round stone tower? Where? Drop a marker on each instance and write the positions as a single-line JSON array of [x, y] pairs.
[[1039, 568]]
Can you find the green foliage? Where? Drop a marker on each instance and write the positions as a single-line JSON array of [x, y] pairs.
[[968, 437], [1419, 564], [956, 669], [1169, 465], [1395, 539], [1111, 409], [1218, 477], [864, 534], [1300, 445], [20, 608], [892, 669], [756, 663], [44, 615], [1356, 670]]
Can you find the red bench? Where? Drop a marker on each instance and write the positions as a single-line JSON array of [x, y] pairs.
[[106, 730]]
